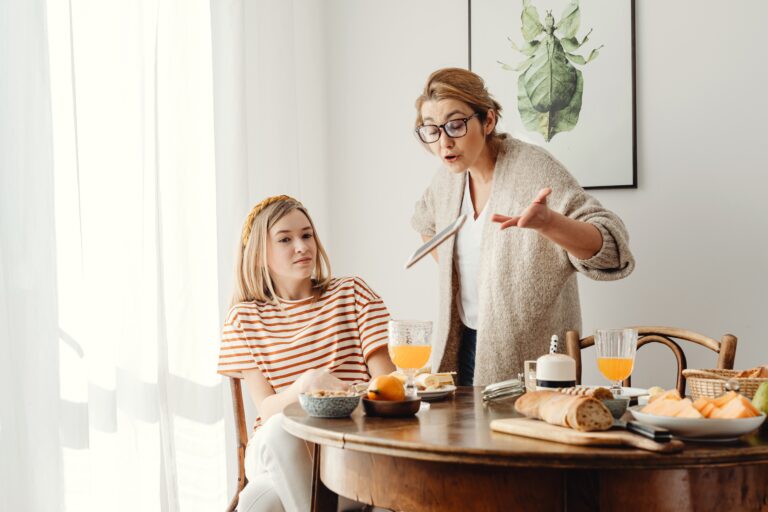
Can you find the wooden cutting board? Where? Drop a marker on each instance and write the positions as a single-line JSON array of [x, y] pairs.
[[536, 429]]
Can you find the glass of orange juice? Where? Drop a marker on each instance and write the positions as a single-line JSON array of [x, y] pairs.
[[410, 348], [616, 355]]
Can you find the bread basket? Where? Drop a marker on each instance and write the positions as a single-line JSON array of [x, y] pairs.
[[711, 383]]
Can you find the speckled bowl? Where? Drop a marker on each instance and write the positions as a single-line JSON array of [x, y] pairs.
[[329, 406], [617, 406]]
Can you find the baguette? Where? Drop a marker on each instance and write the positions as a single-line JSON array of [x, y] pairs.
[[599, 393], [577, 412]]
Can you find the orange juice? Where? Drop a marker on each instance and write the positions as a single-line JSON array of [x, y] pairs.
[[410, 356], [615, 368]]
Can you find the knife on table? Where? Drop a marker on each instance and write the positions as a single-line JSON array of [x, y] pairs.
[[658, 434]]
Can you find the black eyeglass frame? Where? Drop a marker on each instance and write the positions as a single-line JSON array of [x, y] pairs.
[[441, 128]]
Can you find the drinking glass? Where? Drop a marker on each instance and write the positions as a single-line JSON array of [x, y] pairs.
[[530, 375], [409, 348], [616, 355]]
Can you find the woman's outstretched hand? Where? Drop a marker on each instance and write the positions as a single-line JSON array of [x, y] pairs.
[[580, 239], [536, 216]]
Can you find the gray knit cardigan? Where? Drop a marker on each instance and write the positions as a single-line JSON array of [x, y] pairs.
[[528, 287]]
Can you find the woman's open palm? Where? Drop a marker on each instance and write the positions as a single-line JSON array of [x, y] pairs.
[[536, 216]]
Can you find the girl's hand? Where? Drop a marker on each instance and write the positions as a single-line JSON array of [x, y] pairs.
[[537, 216], [314, 380]]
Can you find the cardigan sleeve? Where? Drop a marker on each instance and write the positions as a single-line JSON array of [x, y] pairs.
[[423, 220], [614, 260]]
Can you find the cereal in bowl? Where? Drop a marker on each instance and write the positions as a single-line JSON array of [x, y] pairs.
[[323, 393]]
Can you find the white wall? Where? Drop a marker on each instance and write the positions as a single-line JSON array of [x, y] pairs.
[[379, 54], [285, 116], [698, 221]]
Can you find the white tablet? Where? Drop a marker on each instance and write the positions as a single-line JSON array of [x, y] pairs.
[[436, 240]]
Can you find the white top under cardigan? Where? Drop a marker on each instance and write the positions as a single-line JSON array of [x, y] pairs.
[[468, 241], [527, 288]]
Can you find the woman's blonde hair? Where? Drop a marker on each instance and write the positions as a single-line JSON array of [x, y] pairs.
[[463, 85], [252, 279]]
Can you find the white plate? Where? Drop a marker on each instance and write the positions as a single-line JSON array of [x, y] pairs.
[[630, 392], [436, 394], [700, 427]]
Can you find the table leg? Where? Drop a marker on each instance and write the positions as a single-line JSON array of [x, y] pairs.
[[323, 499]]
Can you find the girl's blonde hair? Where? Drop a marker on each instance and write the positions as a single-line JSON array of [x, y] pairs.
[[252, 279], [463, 85]]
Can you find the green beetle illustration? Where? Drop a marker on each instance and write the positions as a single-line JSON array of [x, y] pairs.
[[549, 87]]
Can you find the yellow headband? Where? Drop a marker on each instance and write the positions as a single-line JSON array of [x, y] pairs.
[[255, 211]]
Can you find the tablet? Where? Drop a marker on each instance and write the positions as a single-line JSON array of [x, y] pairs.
[[436, 240]]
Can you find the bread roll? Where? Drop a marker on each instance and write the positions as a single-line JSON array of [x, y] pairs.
[[577, 412]]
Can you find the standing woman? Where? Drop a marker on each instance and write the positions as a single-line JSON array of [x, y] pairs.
[[508, 279]]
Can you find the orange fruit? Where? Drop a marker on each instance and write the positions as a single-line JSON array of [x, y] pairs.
[[386, 387]]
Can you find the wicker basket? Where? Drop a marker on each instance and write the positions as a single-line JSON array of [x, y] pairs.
[[700, 385]]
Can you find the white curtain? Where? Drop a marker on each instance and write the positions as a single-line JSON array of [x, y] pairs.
[[228, 27], [29, 456], [118, 222], [271, 123], [109, 298]]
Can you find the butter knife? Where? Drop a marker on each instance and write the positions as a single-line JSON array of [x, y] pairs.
[[658, 434]]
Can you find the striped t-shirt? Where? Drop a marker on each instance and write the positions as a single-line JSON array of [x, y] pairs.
[[338, 330]]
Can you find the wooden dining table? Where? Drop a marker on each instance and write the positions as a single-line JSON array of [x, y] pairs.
[[447, 458]]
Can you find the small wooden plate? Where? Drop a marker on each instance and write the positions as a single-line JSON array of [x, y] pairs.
[[392, 408]]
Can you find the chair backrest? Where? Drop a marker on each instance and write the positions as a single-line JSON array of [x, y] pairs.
[[242, 439], [725, 348]]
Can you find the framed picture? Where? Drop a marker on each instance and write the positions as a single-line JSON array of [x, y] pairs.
[[564, 73]]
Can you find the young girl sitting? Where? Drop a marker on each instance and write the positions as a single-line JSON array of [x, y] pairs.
[[293, 328]]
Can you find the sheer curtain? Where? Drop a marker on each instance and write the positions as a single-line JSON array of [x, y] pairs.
[[270, 97], [109, 298], [30, 464]]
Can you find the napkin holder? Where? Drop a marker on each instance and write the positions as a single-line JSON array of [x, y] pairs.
[[504, 389]]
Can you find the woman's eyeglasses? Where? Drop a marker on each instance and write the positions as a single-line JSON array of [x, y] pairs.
[[455, 128]]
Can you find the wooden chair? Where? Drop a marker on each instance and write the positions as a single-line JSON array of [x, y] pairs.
[[242, 439], [725, 348], [322, 497]]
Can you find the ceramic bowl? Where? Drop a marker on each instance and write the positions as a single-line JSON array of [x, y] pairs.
[[392, 409], [329, 406], [617, 406]]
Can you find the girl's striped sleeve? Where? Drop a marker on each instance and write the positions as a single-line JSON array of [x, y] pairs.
[[372, 318], [235, 353]]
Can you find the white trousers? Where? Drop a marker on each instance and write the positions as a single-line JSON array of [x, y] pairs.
[[279, 471]]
